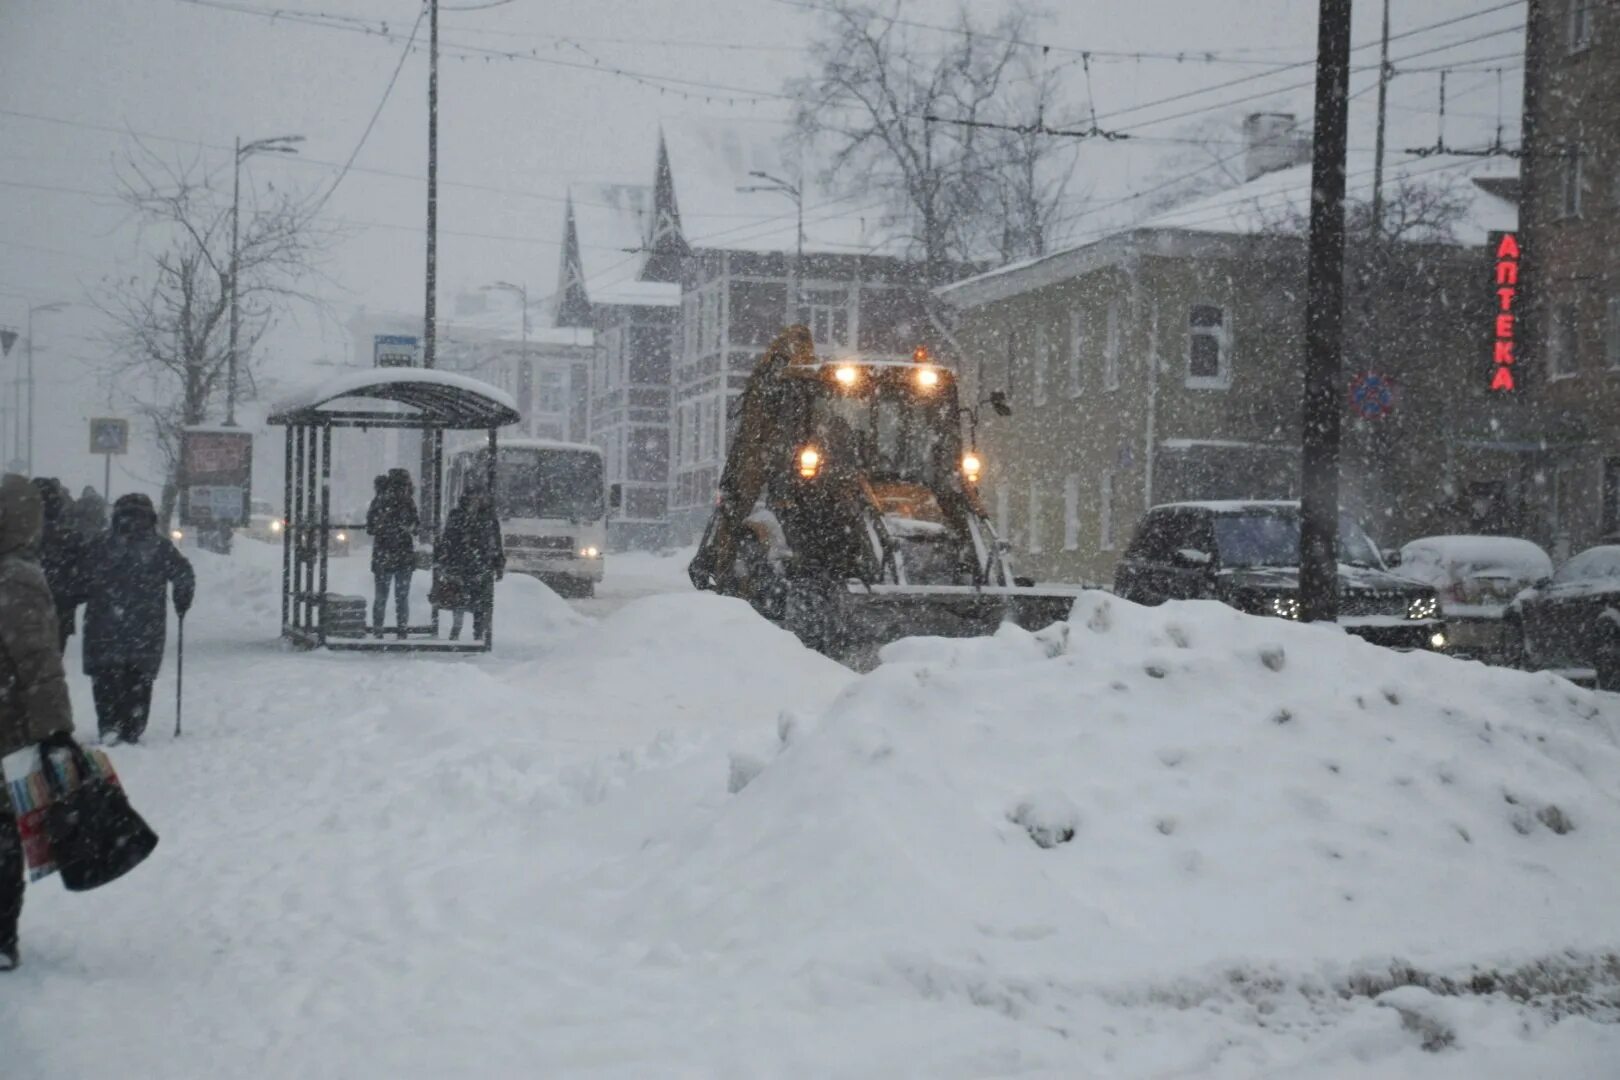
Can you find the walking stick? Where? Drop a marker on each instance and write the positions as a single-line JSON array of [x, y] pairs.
[[179, 672]]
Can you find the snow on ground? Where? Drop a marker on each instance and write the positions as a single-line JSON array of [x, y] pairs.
[[665, 840]]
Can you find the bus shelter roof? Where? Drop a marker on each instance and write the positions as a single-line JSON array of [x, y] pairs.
[[435, 399]]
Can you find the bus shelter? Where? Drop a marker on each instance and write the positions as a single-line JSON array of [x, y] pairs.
[[379, 399]]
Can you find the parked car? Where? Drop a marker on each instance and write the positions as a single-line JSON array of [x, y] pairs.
[[1246, 554], [1477, 578], [264, 523], [1571, 621]]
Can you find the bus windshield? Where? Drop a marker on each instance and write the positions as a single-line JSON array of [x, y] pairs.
[[541, 483]]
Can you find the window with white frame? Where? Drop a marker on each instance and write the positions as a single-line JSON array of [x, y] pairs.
[[1077, 344], [1039, 363], [1003, 511], [1578, 24], [1111, 348], [1071, 512], [1562, 342], [1209, 347], [1105, 512], [1611, 335], [828, 314], [1035, 545], [1574, 181]]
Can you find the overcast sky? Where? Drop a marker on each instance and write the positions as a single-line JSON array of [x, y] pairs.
[[80, 79]]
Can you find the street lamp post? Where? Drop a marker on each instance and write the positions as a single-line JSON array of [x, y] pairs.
[[525, 375], [55, 305], [280, 144], [796, 193]]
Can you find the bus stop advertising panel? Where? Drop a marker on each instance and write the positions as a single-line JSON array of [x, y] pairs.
[[218, 469]]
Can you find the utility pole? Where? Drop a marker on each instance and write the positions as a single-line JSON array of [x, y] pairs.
[[55, 305], [280, 144], [1378, 143], [431, 440], [1324, 321]]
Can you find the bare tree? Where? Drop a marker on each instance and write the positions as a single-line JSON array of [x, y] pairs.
[[1211, 160], [170, 337], [868, 105], [1027, 170]]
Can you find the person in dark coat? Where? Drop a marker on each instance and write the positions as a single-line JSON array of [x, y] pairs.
[[34, 701], [61, 554], [91, 512], [467, 562], [128, 572], [391, 521]]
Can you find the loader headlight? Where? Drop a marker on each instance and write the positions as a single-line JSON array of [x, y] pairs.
[[1423, 607], [846, 375], [927, 377], [809, 462], [588, 553], [971, 466], [1284, 607]]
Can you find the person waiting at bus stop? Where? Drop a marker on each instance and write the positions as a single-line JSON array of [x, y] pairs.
[[467, 562], [391, 521]]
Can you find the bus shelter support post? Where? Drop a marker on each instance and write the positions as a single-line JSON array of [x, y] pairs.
[[286, 543], [326, 524], [490, 476]]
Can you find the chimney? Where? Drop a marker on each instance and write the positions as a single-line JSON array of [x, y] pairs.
[[1273, 142]]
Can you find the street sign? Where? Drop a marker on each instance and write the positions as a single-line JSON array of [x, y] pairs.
[[1372, 396], [109, 435], [396, 350], [218, 469]]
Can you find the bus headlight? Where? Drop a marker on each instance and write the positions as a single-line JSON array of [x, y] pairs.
[[176, 535], [342, 537], [588, 553], [809, 462], [971, 464], [927, 377]]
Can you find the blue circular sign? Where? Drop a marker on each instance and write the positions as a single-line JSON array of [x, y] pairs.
[[1372, 395]]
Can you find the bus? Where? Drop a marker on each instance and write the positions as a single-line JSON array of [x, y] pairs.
[[552, 505]]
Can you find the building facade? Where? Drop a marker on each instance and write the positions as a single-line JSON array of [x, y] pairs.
[[1163, 363], [1571, 377]]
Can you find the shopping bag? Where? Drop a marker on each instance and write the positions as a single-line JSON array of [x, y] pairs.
[[74, 817]]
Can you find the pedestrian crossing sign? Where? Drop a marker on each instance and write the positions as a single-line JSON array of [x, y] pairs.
[[109, 435]]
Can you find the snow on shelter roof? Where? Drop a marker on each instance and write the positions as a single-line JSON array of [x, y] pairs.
[[527, 443], [442, 399]]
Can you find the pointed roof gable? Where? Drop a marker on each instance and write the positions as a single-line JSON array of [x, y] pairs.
[[665, 242], [572, 303]]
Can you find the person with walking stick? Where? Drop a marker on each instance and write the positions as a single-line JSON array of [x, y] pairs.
[[129, 570]]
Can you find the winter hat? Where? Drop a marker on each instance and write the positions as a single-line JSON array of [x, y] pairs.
[[21, 514]]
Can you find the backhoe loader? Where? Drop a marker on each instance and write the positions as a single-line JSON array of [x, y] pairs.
[[848, 509]]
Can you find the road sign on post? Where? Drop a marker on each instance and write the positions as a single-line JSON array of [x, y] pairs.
[[216, 466], [396, 350], [109, 435]]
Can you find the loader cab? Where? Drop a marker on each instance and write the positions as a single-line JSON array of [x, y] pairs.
[[895, 423]]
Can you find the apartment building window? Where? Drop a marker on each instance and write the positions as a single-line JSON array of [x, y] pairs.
[[1111, 348], [1574, 166], [1611, 335], [1040, 363], [1036, 544], [549, 394], [828, 311], [1578, 24], [1105, 512], [1077, 343], [1209, 347], [1564, 337], [1071, 512]]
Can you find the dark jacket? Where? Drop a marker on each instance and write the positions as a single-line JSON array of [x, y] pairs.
[[90, 512], [61, 550], [33, 693], [391, 521], [127, 569], [467, 559]]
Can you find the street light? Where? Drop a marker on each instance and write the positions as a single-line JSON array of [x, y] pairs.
[[279, 144], [525, 376], [54, 305], [794, 192]]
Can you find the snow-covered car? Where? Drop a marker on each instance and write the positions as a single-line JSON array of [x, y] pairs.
[[1246, 554], [1477, 577], [1571, 621], [263, 521]]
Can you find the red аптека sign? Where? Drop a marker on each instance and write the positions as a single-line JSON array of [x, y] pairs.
[[1504, 315]]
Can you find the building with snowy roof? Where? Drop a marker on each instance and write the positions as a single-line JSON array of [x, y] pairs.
[[1163, 362]]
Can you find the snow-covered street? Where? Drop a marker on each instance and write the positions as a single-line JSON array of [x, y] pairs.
[[668, 841]]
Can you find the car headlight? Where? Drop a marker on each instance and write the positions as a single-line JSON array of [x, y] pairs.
[[275, 525], [588, 553], [342, 537], [1437, 640], [1284, 607], [1423, 607]]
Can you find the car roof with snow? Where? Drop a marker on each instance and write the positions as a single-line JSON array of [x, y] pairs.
[[1230, 506], [1472, 556]]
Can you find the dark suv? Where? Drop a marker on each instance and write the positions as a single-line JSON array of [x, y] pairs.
[[1246, 554]]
